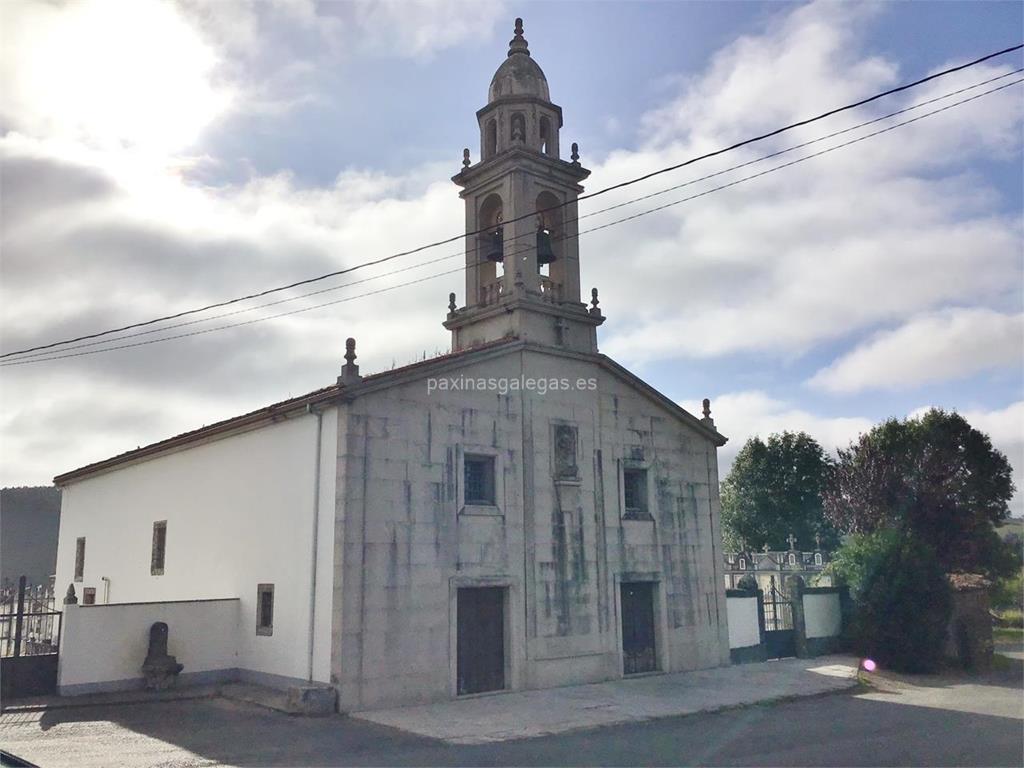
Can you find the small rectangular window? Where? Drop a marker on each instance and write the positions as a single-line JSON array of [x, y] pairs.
[[156, 561], [635, 492], [480, 480], [265, 609], [89, 596], [79, 558]]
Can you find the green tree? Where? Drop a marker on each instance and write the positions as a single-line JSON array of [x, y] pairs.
[[774, 490], [935, 478], [902, 599]]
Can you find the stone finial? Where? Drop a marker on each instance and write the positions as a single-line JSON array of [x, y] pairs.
[[707, 413], [69, 596], [518, 43], [465, 158], [350, 371], [451, 303], [792, 541], [766, 549], [594, 302], [575, 156], [817, 541]]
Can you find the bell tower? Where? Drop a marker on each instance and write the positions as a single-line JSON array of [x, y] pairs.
[[522, 250]]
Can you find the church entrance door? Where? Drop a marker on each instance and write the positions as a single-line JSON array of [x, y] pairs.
[[638, 653], [481, 639]]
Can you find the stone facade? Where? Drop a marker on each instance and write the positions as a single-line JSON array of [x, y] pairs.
[[558, 545]]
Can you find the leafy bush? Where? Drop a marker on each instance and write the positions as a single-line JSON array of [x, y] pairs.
[[748, 583], [1008, 594], [902, 600]]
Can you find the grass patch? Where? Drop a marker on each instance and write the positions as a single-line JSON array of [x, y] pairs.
[[1008, 633]]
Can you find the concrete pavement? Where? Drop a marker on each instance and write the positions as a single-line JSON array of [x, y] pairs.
[[529, 714], [953, 720]]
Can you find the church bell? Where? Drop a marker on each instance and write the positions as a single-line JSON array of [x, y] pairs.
[[544, 253], [495, 246]]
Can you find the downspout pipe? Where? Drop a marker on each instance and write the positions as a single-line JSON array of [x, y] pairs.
[[311, 409]]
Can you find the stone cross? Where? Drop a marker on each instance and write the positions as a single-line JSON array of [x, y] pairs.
[[792, 541], [766, 548]]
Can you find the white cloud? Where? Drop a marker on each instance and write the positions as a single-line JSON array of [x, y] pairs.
[[933, 347], [752, 413], [423, 28], [778, 265], [874, 233], [109, 74]]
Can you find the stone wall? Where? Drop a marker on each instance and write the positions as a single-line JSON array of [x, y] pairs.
[[746, 626], [969, 634]]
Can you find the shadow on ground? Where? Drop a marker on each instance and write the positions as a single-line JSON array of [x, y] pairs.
[[839, 729]]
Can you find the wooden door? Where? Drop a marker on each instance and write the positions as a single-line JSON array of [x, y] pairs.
[[638, 651], [481, 639]]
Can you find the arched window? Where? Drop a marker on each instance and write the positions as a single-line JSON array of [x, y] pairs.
[[817, 558], [491, 241], [491, 139], [549, 232], [545, 136], [743, 564], [792, 559]]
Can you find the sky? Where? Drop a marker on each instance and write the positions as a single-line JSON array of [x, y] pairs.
[[159, 156]]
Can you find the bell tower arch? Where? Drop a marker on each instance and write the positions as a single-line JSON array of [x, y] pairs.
[[522, 249]]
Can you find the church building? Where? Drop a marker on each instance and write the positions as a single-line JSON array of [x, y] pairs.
[[522, 512]]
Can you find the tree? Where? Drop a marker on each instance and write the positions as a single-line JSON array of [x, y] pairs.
[[902, 599], [934, 477], [774, 490]]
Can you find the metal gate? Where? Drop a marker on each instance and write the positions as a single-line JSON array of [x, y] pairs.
[[779, 637], [638, 652], [29, 639]]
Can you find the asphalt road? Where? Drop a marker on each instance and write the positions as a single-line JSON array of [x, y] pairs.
[[937, 721]]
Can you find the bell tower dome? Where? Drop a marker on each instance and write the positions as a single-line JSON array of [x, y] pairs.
[[522, 252]]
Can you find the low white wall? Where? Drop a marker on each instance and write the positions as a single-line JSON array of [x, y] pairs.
[[822, 616], [102, 647], [741, 613]]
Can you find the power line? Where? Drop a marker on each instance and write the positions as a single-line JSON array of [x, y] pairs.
[[588, 196], [577, 218], [44, 358]]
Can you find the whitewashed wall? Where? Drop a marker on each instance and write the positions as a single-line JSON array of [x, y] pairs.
[[239, 512], [744, 630], [103, 646], [822, 615]]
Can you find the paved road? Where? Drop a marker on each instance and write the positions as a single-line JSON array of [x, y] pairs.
[[937, 721]]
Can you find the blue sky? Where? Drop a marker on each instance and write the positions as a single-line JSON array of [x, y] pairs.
[[222, 148]]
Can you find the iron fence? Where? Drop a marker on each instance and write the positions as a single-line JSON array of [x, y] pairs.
[[29, 619]]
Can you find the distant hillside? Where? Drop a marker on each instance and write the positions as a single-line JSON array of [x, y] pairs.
[[29, 520], [1013, 525]]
